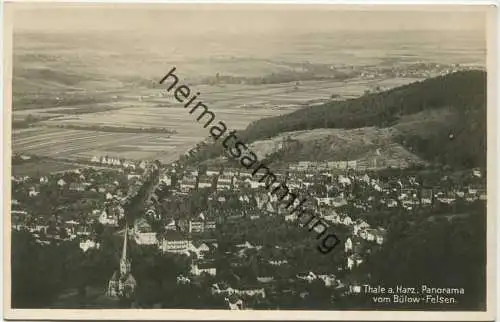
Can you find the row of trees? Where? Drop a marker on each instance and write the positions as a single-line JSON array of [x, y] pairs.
[[41, 273]]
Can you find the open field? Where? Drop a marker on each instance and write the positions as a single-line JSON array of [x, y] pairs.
[[81, 144], [40, 167]]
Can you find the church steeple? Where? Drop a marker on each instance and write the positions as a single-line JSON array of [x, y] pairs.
[[124, 262], [122, 283], [124, 250]]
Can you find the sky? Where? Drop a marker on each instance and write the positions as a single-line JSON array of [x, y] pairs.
[[234, 19]]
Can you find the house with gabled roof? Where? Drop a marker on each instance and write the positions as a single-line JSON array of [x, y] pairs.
[[353, 261], [108, 218], [347, 221], [200, 248], [200, 267], [306, 276], [77, 186], [33, 192], [250, 291], [175, 242], [328, 279]]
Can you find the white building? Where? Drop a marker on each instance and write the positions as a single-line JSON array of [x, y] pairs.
[[348, 245], [205, 184], [187, 184], [201, 250], [108, 219], [329, 280], [148, 238], [353, 261], [199, 268], [201, 225], [33, 192], [251, 292], [333, 217], [309, 277], [347, 221], [212, 173], [176, 245], [89, 244], [224, 182]]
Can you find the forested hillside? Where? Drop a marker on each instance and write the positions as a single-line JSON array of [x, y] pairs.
[[456, 137], [442, 250]]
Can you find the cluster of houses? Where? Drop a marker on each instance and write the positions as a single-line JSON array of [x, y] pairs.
[[139, 184], [75, 181], [416, 70], [118, 162], [111, 214], [365, 164], [322, 165], [214, 179], [232, 194], [332, 203], [175, 240], [239, 180], [46, 233], [106, 191], [325, 190]]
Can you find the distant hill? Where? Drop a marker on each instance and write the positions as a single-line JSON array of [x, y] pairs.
[[441, 120], [363, 144]]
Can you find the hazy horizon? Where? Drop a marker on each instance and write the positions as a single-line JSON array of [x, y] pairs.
[[238, 19]]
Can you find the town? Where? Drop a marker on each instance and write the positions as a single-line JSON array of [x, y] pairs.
[[238, 244]]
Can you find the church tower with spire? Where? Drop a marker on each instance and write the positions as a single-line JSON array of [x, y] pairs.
[[122, 284], [124, 261]]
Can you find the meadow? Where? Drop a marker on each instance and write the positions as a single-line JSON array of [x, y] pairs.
[[40, 167]]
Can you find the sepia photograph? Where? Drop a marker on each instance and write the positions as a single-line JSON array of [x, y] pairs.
[[312, 161]]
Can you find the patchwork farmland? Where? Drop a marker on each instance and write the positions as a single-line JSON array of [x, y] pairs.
[[236, 105], [82, 144]]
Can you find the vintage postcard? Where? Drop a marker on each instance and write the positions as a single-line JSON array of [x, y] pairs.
[[223, 161]]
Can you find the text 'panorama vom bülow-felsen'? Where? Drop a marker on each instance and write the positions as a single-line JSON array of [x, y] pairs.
[[240, 151]]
